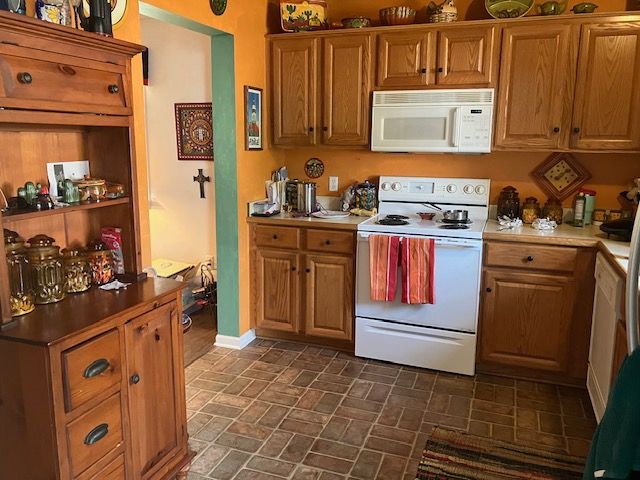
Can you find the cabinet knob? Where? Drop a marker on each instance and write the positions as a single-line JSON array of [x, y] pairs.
[[488, 289], [529, 258], [440, 69], [325, 129], [275, 237], [423, 70], [96, 368], [308, 270], [327, 242], [293, 269], [135, 379], [97, 434], [25, 78], [576, 130], [311, 129], [556, 129], [113, 89]]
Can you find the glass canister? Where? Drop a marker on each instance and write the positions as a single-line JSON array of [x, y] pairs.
[[509, 203], [20, 279], [77, 270], [366, 196], [47, 268], [530, 210], [553, 210], [101, 262]]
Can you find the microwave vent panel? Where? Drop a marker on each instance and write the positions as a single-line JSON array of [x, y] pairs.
[[476, 96]]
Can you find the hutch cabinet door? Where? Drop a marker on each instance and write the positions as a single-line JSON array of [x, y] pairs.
[[526, 319], [156, 394], [329, 296], [277, 290], [294, 87], [406, 59], [347, 83], [536, 87], [607, 106], [467, 57]]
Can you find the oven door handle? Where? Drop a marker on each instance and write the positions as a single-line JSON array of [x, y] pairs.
[[443, 242]]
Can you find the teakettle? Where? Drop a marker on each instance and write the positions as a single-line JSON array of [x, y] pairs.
[[99, 19]]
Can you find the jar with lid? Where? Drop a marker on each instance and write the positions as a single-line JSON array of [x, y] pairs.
[[366, 196], [530, 210], [47, 268], [101, 262], [77, 270], [20, 278], [553, 210], [508, 203]]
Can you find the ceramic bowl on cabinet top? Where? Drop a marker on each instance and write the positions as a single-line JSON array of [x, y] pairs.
[[508, 8], [356, 22], [397, 15]]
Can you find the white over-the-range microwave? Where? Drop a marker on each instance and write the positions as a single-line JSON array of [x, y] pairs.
[[455, 120]]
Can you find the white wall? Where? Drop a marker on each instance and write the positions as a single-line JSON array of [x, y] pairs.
[[182, 224]]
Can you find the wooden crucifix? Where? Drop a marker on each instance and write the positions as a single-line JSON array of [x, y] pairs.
[[201, 179]]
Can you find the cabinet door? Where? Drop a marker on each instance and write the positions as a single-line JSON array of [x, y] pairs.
[[347, 86], [406, 59], [526, 320], [276, 290], [536, 86], [329, 296], [156, 392], [466, 56], [294, 91], [607, 106]]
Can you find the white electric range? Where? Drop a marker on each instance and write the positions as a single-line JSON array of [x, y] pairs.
[[439, 336]]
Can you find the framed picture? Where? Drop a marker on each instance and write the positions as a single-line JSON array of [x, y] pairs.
[[252, 118], [194, 131]]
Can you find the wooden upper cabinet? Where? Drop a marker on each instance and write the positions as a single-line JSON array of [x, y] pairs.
[[347, 86], [466, 56], [607, 101], [294, 90], [277, 289], [406, 59], [329, 298], [536, 86]]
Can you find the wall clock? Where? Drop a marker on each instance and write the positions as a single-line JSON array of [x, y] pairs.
[[218, 6], [560, 175]]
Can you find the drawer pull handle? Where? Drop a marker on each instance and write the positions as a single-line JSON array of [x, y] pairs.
[[327, 242], [440, 69], [66, 69], [556, 129], [423, 70], [308, 270], [97, 434], [135, 379], [25, 78], [529, 258], [96, 368], [311, 129], [293, 269], [489, 290], [113, 89], [275, 237], [576, 130]]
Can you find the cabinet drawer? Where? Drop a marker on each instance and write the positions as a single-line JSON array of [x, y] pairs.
[[91, 368], [529, 256], [329, 241], [280, 237], [113, 471], [94, 434], [47, 81]]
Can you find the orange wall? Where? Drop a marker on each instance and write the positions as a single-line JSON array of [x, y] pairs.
[[610, 173], [247, 21]]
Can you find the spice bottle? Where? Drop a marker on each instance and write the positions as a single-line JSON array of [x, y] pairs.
[[578, 210]]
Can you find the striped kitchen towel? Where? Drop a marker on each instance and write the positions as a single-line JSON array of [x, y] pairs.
[[383, 267], [418, 270]]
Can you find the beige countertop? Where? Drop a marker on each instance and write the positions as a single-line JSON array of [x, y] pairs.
[[348, 223]]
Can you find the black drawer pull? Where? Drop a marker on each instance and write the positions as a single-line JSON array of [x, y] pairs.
[[311, 129], [556, 129], [440, 69], [308, 270], [327, 242], [529, 258], [488, 289], [96, 368], [275, 237], [326, 129], [576, 130], [135, 379], [25, 78], [97, 434], [424, 70], [113, 89], [293, 269]]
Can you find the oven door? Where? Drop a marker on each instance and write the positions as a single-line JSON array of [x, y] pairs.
[[415, 129], [457, 285]]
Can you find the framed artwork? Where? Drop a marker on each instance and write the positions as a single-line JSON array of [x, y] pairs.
[[252, 118], [194, 131]]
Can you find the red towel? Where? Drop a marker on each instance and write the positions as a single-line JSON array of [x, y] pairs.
[[418, 266], [383, 267]]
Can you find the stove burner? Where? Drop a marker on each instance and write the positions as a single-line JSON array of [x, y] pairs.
[[455, 226], [392, 221], [397, 217], [456, 222]]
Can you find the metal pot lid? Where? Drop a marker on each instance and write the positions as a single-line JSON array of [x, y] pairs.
[[11, 237]]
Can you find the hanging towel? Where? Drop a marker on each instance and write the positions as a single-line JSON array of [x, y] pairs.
[[615, 450], [383, 267], [418, 267]]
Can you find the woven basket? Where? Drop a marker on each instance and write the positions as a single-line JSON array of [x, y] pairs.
[[442, 17]]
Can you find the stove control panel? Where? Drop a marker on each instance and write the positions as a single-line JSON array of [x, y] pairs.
[[444, 190]]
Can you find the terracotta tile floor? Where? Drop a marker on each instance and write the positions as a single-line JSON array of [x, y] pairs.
[[288, 410]]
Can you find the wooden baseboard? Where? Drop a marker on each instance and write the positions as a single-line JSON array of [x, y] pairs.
[[529, 374], [344, 345]]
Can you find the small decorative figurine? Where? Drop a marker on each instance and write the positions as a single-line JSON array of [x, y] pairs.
[[584, 7], [552, 7]]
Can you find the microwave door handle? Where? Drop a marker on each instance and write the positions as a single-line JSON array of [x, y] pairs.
[[454, 127]]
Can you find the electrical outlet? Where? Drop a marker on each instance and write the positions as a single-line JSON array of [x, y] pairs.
[[333, 184]]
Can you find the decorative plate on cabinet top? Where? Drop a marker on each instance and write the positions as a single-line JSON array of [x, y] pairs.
[[300, 15], [218, 6], [508, 8]]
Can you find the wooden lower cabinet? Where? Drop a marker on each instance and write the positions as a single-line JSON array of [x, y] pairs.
[[98, 394], [306, 292]]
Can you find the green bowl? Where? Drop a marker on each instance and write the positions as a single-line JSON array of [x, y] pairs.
[[508, 8]]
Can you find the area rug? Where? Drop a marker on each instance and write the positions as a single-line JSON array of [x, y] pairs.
[[451, 455]]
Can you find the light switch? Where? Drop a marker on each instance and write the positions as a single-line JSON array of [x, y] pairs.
[[333, 184]]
